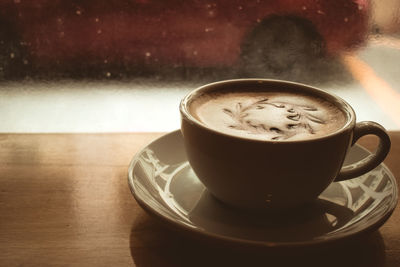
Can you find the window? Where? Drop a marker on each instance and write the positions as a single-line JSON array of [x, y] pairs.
[[134, 47]]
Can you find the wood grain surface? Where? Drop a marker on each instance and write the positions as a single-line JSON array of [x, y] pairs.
[[65, 201]]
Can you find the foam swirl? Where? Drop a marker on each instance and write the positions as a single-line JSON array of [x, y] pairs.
[[273, 116]]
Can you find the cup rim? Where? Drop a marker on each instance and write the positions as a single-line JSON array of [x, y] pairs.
[[342, 104]]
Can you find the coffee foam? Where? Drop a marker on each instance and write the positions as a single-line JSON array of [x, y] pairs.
[[268, 115]]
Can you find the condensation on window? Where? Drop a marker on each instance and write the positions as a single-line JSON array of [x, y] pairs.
[[304, 40], [95, 66]]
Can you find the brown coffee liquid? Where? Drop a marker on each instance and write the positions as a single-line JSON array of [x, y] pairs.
[[268, 115]]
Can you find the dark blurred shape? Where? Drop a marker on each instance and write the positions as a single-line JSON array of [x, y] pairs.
[[12, 52], [116, 39], [281, 44]]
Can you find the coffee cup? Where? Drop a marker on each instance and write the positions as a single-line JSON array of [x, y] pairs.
[[259, 144]]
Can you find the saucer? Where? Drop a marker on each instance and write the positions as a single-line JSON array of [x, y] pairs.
[[163, 183]]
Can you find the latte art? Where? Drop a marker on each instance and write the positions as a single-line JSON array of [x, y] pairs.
[[300, 118], [268, 116]]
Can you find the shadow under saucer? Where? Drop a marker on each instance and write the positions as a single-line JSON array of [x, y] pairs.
[[152, 244]]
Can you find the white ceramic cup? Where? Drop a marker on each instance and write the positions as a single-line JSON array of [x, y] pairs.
[[257, 174]]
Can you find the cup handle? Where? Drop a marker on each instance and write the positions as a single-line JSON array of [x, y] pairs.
[[373, 160]]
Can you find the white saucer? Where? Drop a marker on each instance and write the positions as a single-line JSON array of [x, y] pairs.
[[163, 183]]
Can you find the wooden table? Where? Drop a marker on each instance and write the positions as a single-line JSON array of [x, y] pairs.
[[65, 201]]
